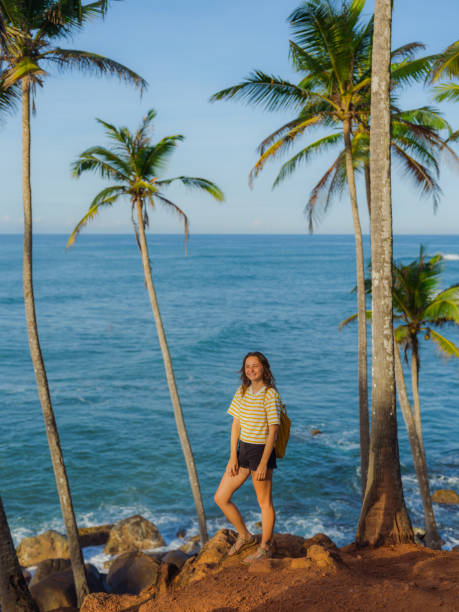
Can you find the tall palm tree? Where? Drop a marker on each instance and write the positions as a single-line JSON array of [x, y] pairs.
[[134, 163], [383, 518], [14, 594], [331, 48], [418, 307], [29, 35]]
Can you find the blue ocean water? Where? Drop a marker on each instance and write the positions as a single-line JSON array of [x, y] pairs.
[[283, 295]]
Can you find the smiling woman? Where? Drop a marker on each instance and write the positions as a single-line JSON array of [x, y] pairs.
[[256, 417]]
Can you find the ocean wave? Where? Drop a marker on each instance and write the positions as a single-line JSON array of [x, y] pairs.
[[450, 256]]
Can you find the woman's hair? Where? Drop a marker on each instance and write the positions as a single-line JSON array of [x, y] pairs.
[[268, 377]]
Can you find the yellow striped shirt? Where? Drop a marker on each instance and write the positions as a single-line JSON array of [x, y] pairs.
[[255, 411]]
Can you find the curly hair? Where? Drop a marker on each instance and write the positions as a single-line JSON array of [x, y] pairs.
[[268, 377]]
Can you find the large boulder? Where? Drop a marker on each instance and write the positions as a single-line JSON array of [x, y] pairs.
[[48, 545], [175, 557], [132, 572], [445, 496], [325, 559], [131, 534], [94, 536], [57, 590], [47, 567], [192, 546]]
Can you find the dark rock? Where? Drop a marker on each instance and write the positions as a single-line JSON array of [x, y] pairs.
[[131, 534], [181, 533], [316, 432], [176, 557], [57, 590], [132, 572], [94, 536], [48, 567]]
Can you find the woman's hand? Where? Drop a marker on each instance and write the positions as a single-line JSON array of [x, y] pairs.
[[261, 472], [232, 469]]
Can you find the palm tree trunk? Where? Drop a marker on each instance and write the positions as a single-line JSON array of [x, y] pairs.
[[62, 484], [415, 388], [383, 518], [14, 594], [432, 538], [361, 311], [366, 169], [178, 414]]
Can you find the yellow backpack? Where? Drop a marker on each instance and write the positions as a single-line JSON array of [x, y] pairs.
[[283, 433]]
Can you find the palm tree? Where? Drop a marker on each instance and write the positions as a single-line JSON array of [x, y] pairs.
[[419, 307], [383, 518], [331, 48], [14, 594], [134, 163], [29, 32]]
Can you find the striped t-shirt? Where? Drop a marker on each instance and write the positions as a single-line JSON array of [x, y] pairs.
[[255, 411]]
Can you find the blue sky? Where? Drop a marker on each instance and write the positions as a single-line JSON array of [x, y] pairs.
[[187, 51]]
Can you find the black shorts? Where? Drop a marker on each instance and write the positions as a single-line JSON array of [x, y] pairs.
[[249, 456]]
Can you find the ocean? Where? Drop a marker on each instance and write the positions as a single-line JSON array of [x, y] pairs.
[[282, 295]]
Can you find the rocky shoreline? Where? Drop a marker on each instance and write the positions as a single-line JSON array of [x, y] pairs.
[[140, 577]]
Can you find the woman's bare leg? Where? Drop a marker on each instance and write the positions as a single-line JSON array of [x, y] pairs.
[[263, 489], [228, 485]]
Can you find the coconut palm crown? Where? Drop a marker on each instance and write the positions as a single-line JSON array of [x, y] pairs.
[[135, 165]]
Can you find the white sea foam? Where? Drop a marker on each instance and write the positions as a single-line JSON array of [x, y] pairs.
[[450, 256]]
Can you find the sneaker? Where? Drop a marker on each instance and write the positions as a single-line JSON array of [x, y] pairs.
[[260, 553]]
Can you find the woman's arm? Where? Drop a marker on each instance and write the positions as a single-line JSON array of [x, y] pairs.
[[262, 469], [233, 466]]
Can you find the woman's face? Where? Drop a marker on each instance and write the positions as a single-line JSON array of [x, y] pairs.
[[253, 369]]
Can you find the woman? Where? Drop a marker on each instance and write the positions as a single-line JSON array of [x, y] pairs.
[[255, 410]]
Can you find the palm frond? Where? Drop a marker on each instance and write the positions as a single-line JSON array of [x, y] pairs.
[[94, 63], [446, 63], [352, 318], [446, 347], [151, 160], [171, 207], [444, 307], [196, 183], [90, 216], [105, 162], [448, 91], [406, 51], [271, 92], [322, 144], [419, 173]]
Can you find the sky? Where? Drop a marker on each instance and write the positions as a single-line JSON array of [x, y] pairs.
[[187, 51]]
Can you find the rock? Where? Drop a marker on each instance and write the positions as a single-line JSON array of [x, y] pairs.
[[48, 567], [132, 572], [176, 557], [181, 533], [58, 590], [258, 524], [325, 559], [191, 546], [209, 559], [27, 575], [419, 535], [445, 496], [316, 432], [322, 540], [167, 572], [48, 545], [94, 536], [102, 602], [133, 533], [287, 545]]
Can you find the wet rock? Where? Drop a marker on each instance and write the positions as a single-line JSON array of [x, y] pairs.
[[27, 575], [181, 533], [48, 545], [419, 535], [57, 590], [132, 572], [133, 533], [94, 536], [176, 557], [48, 567], [316, 432], [445, 496]]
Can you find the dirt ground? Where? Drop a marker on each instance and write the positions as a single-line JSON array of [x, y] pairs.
[[404, 578]]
